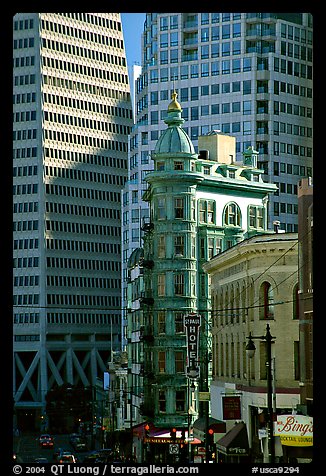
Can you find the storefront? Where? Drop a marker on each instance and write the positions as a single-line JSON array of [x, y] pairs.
[[295, 433], [233, 447], [160, 448]]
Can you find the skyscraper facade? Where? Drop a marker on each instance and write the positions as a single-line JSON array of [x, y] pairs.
[[245, 74], [72, 116]]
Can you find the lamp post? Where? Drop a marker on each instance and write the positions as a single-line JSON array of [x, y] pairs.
[[250, 349]]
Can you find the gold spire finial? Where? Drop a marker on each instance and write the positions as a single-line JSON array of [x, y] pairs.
[[174, 105]]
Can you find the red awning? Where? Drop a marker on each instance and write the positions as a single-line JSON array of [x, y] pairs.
[[139, 430]]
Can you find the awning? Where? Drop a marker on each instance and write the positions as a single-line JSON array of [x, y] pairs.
[[217, 425], [235, 441], [139, 430]]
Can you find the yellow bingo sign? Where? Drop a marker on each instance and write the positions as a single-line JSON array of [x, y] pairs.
[[294, 430]]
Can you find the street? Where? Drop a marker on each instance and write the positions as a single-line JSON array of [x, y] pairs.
[[27, 448]]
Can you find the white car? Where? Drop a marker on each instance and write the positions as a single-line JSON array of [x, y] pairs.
[[66, 457]]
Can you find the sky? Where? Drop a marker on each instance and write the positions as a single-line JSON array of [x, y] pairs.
[[133, 26]]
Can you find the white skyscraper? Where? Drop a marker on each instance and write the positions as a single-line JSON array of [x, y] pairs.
[[72, 116]]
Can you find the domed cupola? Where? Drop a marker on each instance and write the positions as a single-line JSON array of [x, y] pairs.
[[174, 140]]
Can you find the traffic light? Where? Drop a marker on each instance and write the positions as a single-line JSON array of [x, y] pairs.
[[210, 437], [210, 442], [146, 428], [173, 433]]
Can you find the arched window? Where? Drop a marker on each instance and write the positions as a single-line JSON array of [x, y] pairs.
[[266, 301], [295, 309], [232, 215]]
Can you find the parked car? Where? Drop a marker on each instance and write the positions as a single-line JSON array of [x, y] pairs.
[[41, 460], [57, 452], [66, 457], [106, 455], [91, 457], [78, 442], [46, 441]]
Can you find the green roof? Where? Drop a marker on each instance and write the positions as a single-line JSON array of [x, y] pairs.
[[174, 140]]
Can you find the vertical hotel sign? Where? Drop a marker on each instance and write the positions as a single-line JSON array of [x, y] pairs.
[[192, 323]]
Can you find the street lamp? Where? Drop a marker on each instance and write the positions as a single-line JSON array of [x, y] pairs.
[[250, 349]]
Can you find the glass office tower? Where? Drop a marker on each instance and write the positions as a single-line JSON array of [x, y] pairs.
[[246, 74]]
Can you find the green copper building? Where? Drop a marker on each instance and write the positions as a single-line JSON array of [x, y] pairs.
[[201, 203]]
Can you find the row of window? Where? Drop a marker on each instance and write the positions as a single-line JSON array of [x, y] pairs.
[[83, 157], [25, 207], [26, 244], [24, 79], [80, 318], [23, 43], [82, 282], [82, 228], [85, 70], [234, 303], [214, 68], [24, 98], [247, 109], [25, 171], [230, 359], [288, 208], [207, 214], [291, 169], [296, 33], [84, 175], [88, 18], [194, 93], [25, 225], [84, 122], [25, 153], [195, 70], [83, 246], [25, 134], [84, 193], [83, 105], [22, 61], [82, 210], [83, 300], [92, 36], [65, 318], [178, 286], [27, 338], [27, 280], [280, 148], [280, 107], [80, 52], [179, 398], [25, 299], [288, 188], [165, 365], [84, 140], [86, 264], [206, 34], [26, 24], [26, 318], [25, 189], [213, 50], [172, 21], [296, 51], [177, 323], [31, 262], [70, 84], [24, 116]]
